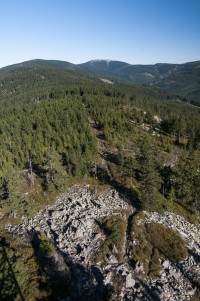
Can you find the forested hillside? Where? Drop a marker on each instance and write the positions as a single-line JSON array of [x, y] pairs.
[[46, 132], [60, 126]]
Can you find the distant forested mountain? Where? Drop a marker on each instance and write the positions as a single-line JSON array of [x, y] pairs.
[[180, 79]]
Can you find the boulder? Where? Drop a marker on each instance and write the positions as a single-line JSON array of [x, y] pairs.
[[130, 282]]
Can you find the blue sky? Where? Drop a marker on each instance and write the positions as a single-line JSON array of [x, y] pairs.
[[134, 31]]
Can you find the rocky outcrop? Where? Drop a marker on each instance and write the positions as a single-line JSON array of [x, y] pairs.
[[72, 223], [190, 232], [75, 225], [178, 280]]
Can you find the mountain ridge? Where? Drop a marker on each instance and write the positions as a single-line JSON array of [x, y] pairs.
[[178, 79]]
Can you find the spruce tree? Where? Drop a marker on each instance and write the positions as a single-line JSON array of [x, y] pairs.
[[149, 178]]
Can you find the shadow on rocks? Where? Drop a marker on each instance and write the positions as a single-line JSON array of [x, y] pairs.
[[146, 293], [87, 284], [64, 279]]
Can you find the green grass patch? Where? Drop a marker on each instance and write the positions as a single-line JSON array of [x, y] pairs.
[[46, 246], [114, 228], [167, 241], [152, 243]]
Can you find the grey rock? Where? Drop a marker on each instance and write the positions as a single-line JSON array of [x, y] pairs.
[[130, 282], [166, 264]]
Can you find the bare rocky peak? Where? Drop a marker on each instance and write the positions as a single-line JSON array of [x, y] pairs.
[[101, 60]]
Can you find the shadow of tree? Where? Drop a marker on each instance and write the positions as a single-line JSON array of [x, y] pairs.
[[148, 293], [87, 283], [9, 286], [63, 278], [53, 277]]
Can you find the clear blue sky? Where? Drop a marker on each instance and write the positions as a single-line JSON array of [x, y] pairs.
[[134, 31]]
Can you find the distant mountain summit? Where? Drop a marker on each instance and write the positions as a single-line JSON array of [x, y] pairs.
[[106, 65], [101, 60]]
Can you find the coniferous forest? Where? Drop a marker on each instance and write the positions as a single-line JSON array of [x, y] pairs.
[[49, 116]]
